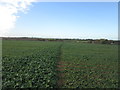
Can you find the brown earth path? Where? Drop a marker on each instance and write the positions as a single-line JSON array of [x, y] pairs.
[[60, 76], [60, 81]]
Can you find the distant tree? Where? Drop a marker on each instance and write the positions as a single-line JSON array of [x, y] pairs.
[[103, 41]]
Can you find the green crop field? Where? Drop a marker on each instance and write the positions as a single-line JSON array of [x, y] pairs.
[[89, 65], [47, 64]]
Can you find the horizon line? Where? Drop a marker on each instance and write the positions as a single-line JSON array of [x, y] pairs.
[[54, 38]]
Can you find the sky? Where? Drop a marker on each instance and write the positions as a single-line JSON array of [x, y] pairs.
[[83, 20]]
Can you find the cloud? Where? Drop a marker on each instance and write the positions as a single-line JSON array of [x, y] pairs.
[[8, 13]]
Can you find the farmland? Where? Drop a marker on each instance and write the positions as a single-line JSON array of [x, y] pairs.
[[45, 64], [89, 66], [29, 64]]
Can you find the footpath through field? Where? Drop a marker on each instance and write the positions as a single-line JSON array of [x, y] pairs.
[[60, 75], [87, 66], [31, 64]]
